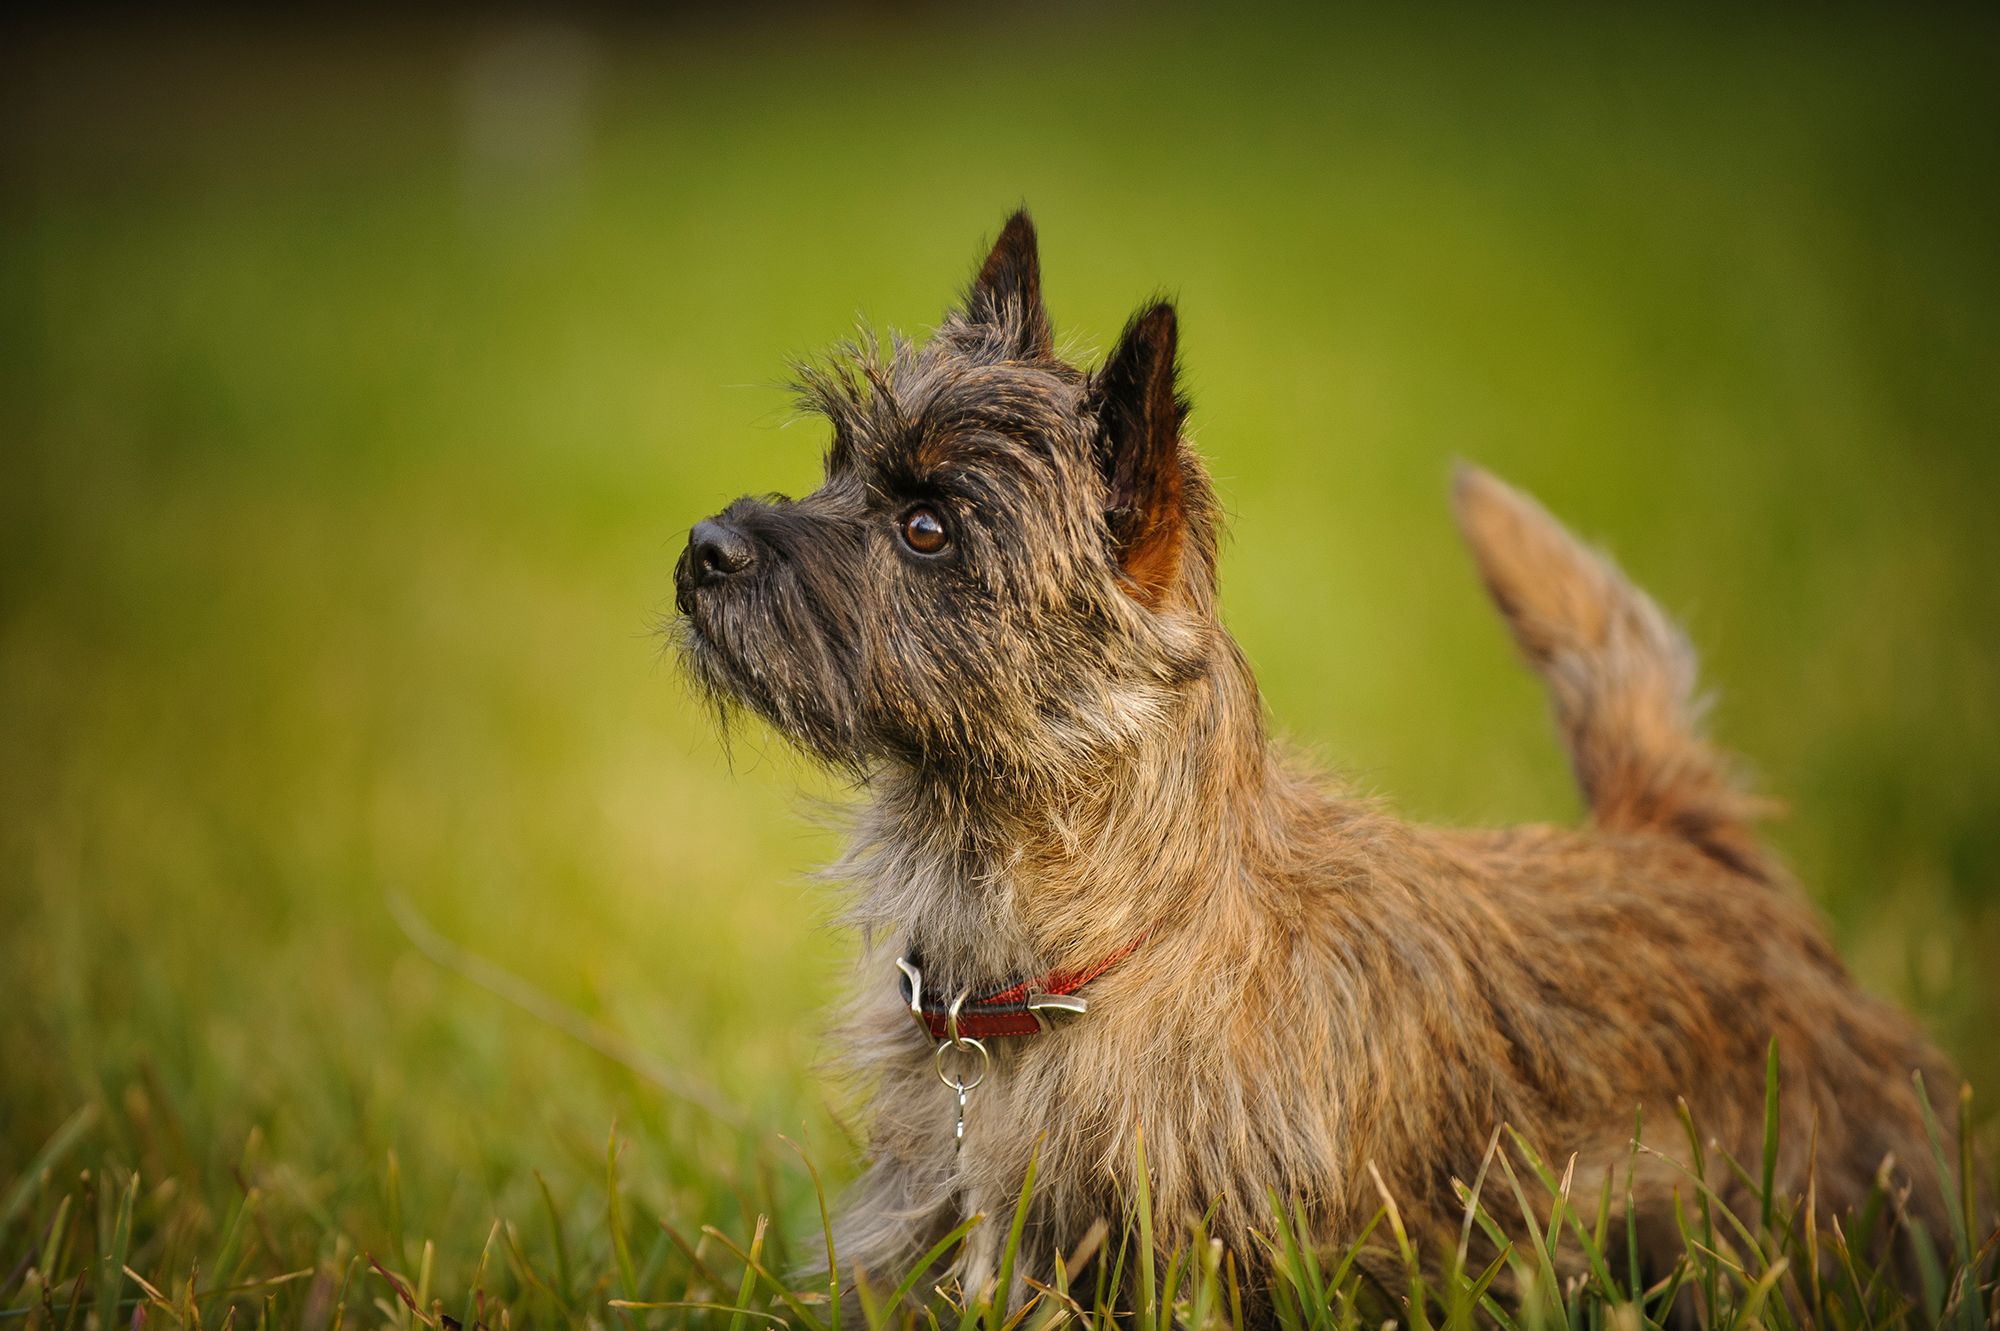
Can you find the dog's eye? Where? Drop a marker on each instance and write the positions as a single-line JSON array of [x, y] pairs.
[[923, 531]]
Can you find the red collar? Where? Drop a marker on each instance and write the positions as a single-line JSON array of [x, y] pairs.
[[1018, 1009]]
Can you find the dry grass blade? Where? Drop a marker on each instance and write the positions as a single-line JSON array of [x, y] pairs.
[[505, 984], [402, 1292]]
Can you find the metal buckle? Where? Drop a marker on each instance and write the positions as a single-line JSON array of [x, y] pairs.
[[1039, 1005], [1067, 1004], [916, 979]]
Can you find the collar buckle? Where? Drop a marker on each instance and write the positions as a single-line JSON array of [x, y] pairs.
[[913, 986], [1022, 1008], [1041, 1005]]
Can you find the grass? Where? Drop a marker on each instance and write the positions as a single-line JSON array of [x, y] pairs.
[[358, 385], [1563, 1254]]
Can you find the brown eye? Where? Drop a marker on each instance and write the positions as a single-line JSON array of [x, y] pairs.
[[923, 531]]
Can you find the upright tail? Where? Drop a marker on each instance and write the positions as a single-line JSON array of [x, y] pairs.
[[1620, 674]]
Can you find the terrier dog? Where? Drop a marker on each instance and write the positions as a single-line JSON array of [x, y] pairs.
[[1097, 900]]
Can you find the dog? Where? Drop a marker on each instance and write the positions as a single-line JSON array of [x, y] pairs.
[[1098, 901]]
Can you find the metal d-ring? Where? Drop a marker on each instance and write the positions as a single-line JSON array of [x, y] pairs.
[[953, 1040], [957, 1083]]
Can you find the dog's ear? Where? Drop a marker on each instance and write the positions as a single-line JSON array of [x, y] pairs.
[[1138, 408], [1007, 294]]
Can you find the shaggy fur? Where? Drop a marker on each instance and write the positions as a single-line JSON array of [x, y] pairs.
[[1062, 749]]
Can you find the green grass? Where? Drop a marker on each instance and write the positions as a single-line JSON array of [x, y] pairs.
[[1553, 1251], [345, 461]]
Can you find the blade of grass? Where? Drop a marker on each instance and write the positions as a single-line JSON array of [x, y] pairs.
[[1415, 1310], [1753, 1301], [1088, 1247], [1710, 1289], [1633, 1277], [56, 1245], [564, 1282], [505, 984], [751, 1261], [1111, 1276], [1302, 1248], [392, 1198], [1719, 1206], [1061, 1305], [749, 1282], [1147, 1318], [1206, 1269], [826, 1229], [1170, 1284], [1288, 1261], [59, 1144], [873, 1314], [426, 1267], [1559, 1190], [1767, 1194], [1974, 1296], [656, 1258], [697, 1268], [224, 1265], [1545, 1274], [1351, 1257], [478, 1285], [111, 1266], [1815, 1292], [402, 1292], [1012, 1249], [1955, 1210], [75, 1309], [1470, 1196], [614, 1215], [524, 1269]]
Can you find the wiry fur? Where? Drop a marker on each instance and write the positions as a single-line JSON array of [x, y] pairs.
[[1062, 748]]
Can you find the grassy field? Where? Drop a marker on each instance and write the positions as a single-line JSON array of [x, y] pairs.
[[359, 387]]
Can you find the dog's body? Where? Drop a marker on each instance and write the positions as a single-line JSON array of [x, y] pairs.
[[1293, 991]]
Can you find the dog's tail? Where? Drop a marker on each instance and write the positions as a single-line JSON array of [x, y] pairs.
[[1621, 676]]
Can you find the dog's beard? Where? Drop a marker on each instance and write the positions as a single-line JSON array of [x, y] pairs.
[[741, 659]]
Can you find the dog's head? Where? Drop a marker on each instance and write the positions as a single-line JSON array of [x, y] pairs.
[[1009, 568]]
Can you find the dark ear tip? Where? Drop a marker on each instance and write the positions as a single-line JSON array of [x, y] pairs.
[[1014, 246], [1145, 351], [1007, 292], [1155, 323]]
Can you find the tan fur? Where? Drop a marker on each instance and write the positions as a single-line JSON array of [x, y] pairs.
[[1620, 674], [1325, 992], [1326, 988]]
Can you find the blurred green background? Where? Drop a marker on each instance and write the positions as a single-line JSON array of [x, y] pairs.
[[362, 380]]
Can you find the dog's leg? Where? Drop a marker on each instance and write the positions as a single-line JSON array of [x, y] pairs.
[[887, 1222]]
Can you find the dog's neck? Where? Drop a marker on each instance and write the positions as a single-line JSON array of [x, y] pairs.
[[993, 887]]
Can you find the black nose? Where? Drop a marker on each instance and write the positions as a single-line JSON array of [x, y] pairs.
[[716, 552], [719, 550]]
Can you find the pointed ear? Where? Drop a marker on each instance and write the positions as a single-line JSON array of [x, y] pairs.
[[1139, 412], [1007, 293]]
